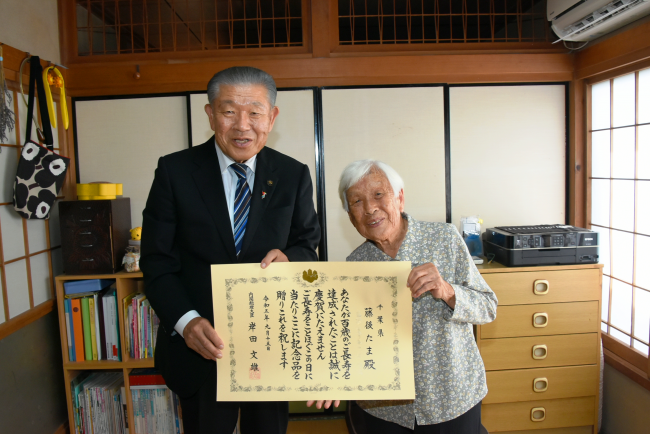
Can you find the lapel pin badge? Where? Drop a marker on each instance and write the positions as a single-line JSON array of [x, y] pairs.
[[269, 182], [263, 194]]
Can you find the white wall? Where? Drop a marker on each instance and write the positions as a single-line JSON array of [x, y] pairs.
[[32, 26]]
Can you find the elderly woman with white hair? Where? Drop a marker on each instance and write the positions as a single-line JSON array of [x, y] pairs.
[[449, 295]]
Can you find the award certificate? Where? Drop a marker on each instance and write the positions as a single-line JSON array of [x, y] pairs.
[[314, 330]]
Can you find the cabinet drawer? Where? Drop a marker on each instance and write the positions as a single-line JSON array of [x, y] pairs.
[[571, 412], [517, 353], [563, 286], [85, 213], [571, 430], [543, 319], [535, 384]]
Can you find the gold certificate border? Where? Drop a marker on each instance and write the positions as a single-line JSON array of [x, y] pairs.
[[235, 387]]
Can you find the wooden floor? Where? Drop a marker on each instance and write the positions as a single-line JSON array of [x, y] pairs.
[[330, 426]]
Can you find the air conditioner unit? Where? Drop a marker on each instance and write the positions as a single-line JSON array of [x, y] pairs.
[[586, 20]]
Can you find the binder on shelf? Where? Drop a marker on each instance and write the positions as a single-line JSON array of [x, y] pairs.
[[85, 314], [77, 333], [117, 348], [67, 307], [100, 326], [107, 335], [93, 324], [72, 287]]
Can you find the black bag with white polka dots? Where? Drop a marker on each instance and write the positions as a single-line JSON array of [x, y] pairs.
[[41, 171]]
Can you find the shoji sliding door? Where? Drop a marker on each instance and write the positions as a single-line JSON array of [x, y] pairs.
[[120, 141], [401, 126], [505, 159], [508, 154]]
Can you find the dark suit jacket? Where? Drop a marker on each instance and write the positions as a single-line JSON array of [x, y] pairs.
[[186, 228]]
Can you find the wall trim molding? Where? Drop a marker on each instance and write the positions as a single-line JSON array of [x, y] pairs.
[[626, 368], [26, 318]]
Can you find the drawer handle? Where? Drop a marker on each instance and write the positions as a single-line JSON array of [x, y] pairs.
[[541, 287], [85, 220], [87, 260], [85, 233], [538, 414], [540, 320], [86, 245], [540, 352], [540, 384]]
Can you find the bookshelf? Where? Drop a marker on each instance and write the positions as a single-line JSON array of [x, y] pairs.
[[126, 283]]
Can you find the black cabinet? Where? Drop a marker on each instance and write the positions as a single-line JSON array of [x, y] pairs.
[[94, 235]]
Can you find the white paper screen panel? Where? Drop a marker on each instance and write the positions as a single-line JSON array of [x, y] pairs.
[[508, 150], [199, 123], [403, 127], [121, 140], [292, 134], [17, 287]]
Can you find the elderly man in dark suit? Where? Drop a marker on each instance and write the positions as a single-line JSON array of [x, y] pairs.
[[227, 201]]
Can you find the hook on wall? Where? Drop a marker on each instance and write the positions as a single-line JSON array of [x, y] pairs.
[[137, 72]]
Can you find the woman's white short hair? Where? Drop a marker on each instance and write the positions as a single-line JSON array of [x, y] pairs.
[[357, 170]]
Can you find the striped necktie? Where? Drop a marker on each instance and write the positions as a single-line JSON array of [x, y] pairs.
[[242, 205]]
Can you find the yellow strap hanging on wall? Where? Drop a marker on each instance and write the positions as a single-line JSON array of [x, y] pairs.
[[55, 78]]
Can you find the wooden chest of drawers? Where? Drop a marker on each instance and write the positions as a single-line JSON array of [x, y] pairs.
[[94, 235], [542, 353]]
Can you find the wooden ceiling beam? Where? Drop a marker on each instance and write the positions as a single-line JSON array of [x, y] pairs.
[[161, 76]]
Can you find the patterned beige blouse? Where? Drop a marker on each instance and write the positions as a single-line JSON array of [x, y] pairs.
[[449, 371]]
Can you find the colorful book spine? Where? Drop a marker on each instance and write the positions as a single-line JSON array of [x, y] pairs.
[[125, 413], [85, 313], [126, 306], [68, 328], [134, 327], [77, 330], [107, 334], [145, 335], [117, 349], [93, 329], [102, 354], [130, 332]]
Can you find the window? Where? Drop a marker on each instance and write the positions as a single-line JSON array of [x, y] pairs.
[[381, 22], [619, 179], [154, 26]]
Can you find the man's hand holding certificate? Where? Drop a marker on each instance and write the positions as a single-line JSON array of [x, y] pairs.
[[314, 330]]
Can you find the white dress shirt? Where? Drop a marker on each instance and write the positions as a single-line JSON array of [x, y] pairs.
[[229, 183]]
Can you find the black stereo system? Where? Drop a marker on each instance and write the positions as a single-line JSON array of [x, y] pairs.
[[517, 246]]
